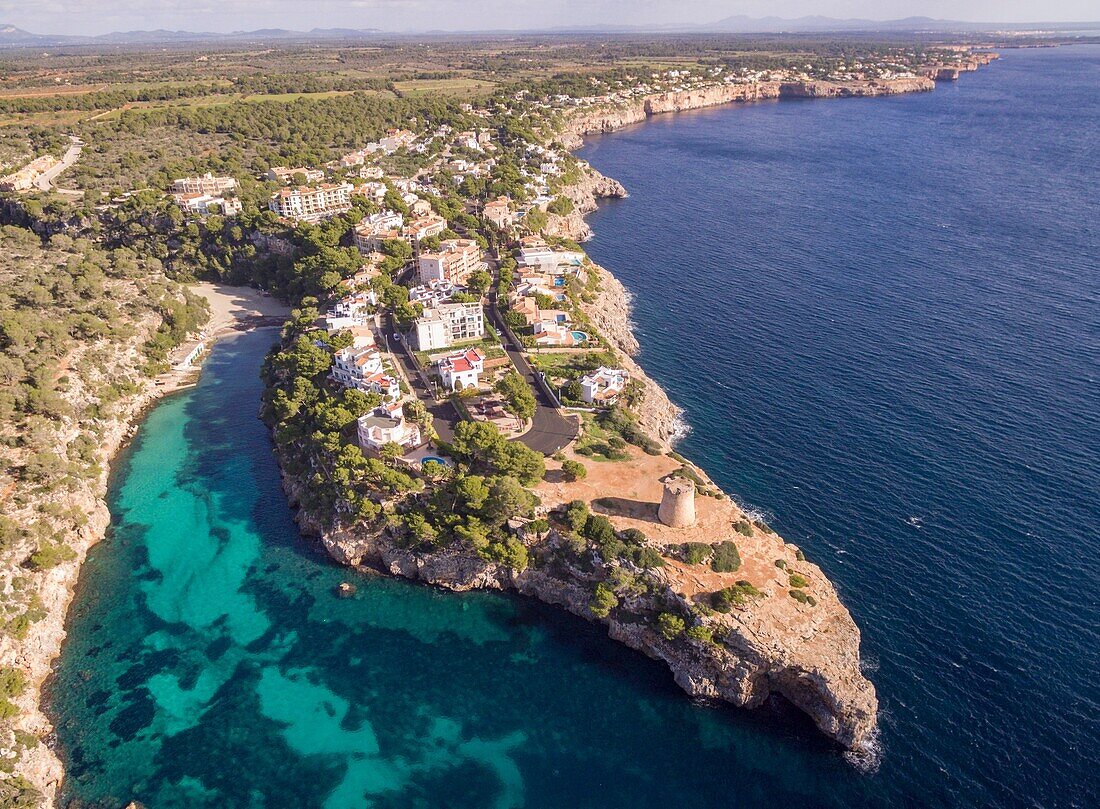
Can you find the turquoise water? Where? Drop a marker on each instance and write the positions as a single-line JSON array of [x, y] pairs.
[[210, 662]]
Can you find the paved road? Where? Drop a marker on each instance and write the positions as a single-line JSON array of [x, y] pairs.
[[443, 412], [46, 178], [550, 430]]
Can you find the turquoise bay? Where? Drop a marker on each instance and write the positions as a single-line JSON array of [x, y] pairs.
[[211, 663]]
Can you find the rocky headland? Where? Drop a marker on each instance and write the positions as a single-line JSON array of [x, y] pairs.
[[609, 117]]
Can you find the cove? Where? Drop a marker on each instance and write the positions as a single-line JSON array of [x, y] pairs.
[[211, 663]]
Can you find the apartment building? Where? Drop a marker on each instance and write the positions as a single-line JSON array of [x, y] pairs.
[[311, 203], [454, 261], [449, 323], [206, 184]]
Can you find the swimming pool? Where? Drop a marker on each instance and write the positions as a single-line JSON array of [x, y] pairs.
[[580, 337]]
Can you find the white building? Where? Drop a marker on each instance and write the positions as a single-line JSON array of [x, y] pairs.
[[206, 184], [358, 305], [434, 293], [449, 323], [281, 174], [454, 261], [311, 203], [386, 425], [419, 229], [377, 228], [460, 371], [362, 369], [603, 385], [204, 204], [534, 252]]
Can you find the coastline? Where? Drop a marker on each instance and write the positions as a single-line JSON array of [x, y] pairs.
[[233, 310], [660, 416], [771, 645]]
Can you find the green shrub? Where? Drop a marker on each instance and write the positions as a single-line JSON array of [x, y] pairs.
[[576, 514], [798, 580], [632, 536], [703, 633], [779, 563], [695, 553], [7, 709], [574, 470], [12, 682], [726, 559], [51, 555], [603, 601], [803, 598], [800, 556], [735, 595], [744, 527], [669, 625], [646, 558], [599, 529]]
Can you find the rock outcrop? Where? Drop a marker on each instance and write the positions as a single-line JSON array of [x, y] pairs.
[[809, 655], [584, 196]]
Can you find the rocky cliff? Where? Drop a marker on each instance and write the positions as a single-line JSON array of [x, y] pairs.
[[770, 645], [609, 117], [610, 313], [584, 196]]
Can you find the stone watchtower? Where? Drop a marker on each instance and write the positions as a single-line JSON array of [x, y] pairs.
[[678, 503]]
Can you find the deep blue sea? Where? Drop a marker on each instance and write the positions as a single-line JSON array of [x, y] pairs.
[[883, 319]]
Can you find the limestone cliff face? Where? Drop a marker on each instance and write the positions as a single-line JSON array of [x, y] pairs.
[[609, 117], [35, 654], [855, 89], [810, 656], [610, 313], [584, 196]]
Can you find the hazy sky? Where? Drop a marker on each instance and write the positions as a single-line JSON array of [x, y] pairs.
[[101, 16]]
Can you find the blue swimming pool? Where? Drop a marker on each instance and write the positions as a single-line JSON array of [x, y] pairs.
[[580, 336]]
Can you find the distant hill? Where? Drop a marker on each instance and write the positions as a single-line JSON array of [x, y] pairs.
[[13, 37], [742, 24]]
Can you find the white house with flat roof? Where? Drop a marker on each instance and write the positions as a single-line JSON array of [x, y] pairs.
[[449, 323], [603, 385], [386, 425]]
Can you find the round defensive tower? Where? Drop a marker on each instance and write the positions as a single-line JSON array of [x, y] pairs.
[[678, 503]]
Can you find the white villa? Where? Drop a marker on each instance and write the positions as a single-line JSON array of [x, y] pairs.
[[461, 370], [362, 369], [387, 425], [200, 204], [603, 385], [449, 323], [534, 252]]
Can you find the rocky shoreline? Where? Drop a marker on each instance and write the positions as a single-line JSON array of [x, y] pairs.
[[36, 654], [608, 118], [810, 656]]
